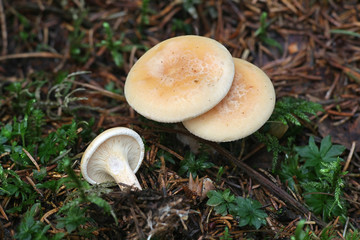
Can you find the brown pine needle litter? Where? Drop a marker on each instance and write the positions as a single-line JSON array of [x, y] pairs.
[[62, 76]]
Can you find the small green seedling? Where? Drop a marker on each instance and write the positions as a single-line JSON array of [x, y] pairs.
[[79, 49], [30, 228], [314, 156], [288, 111], [261, 33], [319, 176], [249, 212], [226, 235], [194, 165], [74, 218], [246, 210], [300, 233], [117, 48], [223, 202]]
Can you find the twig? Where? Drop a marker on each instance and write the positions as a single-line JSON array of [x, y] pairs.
[[136, 221], [3, 29], [31, 158], [3, 213], [34, 186], [102, 91], [47, 214], [348, 160], [345, 227], [168, 150], [31, 55]]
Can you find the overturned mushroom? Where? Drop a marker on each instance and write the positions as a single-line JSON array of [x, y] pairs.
[[246, 107], [180, 78], [114, 155]]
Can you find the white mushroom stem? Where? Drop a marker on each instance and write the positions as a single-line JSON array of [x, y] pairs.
[[119, 168], [114, 155]]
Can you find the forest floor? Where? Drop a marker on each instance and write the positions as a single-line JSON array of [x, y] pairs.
[[63, 66]]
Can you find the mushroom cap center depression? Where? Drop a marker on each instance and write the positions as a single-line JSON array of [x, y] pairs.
[[183, 74]]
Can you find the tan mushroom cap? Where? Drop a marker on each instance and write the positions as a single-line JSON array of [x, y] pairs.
[[248, 105], [114, 155], [180, 78]]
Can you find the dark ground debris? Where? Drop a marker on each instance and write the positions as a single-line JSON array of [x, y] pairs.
[[309, 49]]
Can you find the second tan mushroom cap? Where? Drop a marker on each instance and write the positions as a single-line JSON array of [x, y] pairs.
[[247, 106]]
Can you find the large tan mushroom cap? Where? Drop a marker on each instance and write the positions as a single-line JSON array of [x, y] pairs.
[[243, 111], [180, 78]]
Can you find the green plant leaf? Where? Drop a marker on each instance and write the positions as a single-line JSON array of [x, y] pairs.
[[221, 209], [226, 235], [30, 228], [345, 32], [314, 157], [301, 234], [272, 43], [215, 198], [288, 110], [221, 201], [103, 204], [194, 165], [250, 213], [74, 217], [323, 195]]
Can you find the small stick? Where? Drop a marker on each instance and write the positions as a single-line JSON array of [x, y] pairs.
[[31, 158], [3, 29], [3, 213], [348, 160], [168, 150], [346, 227], [31, 55], [102, 91], [47, 214], [34, 186]]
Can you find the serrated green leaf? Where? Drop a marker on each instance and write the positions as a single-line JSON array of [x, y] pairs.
[[325, 145], [221, 209], [333, 153], [221, 201], [250, 213], [74, 217], [215, 198], [313, 148], [194, 166], [244, 221], [227, 196]]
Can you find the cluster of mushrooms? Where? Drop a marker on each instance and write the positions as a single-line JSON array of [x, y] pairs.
[[188, 79]]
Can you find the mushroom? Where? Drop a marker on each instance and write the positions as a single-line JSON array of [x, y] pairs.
[[179, 78], [246, 107], [115, 155]]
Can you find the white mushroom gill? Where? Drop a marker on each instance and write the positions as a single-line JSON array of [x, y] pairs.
[[115, 159]]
